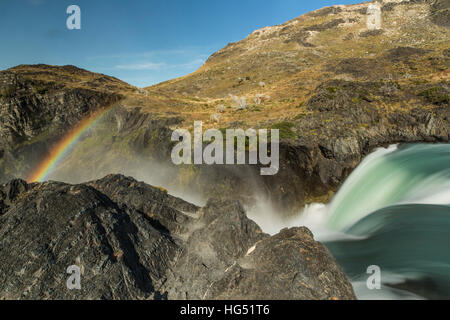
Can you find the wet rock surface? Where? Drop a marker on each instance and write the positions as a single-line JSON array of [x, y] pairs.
[[133, 241]]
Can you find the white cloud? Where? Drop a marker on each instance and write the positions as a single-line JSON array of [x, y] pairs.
[[160, 65], [192, 64], [141, 66], [187, 51]]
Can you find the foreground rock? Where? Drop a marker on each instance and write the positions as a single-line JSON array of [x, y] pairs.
[[134, 241]]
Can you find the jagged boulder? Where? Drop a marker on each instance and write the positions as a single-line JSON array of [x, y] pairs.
[[134, 241]]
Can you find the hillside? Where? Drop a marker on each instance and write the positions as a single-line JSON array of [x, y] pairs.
[[282, 70], [333, 88]]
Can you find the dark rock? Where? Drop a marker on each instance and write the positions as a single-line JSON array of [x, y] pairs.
[[56, 225], [306, 265], [371, 33], [167, 213], [440, 13], [10, 192], [325, 26], [439, 9], [403, 53], [125, 237], [325, 11], [34, 113]]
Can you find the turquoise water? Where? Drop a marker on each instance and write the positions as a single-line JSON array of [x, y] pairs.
[[395, 212], [417, 173], [407, 242]]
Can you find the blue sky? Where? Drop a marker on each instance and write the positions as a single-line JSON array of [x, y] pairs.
[[140, 42]]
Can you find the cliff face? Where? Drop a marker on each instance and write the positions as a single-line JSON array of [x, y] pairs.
[[133, 241], [38, 104]]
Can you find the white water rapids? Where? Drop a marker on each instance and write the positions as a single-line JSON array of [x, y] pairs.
[[392, 211]]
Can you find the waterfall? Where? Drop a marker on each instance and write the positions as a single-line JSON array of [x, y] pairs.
[[393, 212], [417, 174]]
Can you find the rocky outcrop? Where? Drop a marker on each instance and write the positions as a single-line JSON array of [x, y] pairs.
[[133, 241], [38, 104], [326, 146], [58, 104], [316, 154]]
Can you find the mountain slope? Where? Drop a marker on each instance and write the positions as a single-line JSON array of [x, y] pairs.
[[290, 61], [333, 88]]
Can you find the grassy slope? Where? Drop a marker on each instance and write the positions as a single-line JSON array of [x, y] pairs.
[[295, 58]]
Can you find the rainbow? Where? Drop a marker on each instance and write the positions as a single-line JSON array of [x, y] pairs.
[[63, 147]]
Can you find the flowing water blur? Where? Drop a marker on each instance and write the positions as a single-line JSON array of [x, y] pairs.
[[417, 174], [410, 244], [398, 201], [393, 211]]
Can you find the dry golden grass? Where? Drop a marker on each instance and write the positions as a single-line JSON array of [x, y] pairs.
[[292, 71], [72, 77]]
